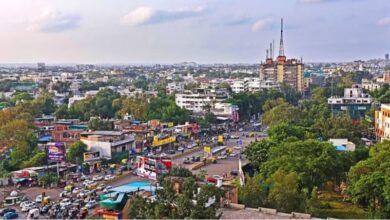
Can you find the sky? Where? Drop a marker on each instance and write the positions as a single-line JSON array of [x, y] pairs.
[[203, 31]]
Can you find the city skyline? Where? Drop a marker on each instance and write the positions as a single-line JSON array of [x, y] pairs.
[[196, 30]]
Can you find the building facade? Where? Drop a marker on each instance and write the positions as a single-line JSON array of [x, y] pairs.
[[382, 123], [200, 99], [282, 70]]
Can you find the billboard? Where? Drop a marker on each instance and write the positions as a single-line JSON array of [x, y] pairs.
[[91, 156], [159, 142], [150, 168], [55, 151]]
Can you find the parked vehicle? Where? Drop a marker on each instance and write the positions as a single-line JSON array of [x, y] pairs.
[[28, 207], [45, 209], [108, 177], [11, 215], [33, 214], [3, 211], [91, 204], [97, 178]]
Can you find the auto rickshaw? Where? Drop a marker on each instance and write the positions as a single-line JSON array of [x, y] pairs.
[[69, 188]]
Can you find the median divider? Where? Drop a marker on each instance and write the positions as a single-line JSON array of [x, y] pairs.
[[190, 151]]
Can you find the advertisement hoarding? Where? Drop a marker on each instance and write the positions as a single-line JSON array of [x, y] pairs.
[[55, 151]]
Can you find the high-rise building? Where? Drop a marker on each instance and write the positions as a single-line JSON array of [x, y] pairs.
[[41, 67], [283, 70], [387, 56]]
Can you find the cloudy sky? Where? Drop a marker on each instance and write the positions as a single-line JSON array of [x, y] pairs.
[[204, 31]]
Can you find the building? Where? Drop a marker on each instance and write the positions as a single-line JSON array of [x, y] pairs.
[[282, 70], [387, 57], [199, 100], [174, 87], [354, 102], [108, 143], [370, 85], [67, 132], [252, 84], [382, 123], [41, 67]]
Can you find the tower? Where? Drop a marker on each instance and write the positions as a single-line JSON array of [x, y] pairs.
[[281, 47]]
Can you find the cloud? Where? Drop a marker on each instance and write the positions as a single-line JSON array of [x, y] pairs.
[[146, 15], [384, 22], [54, 21], [237, 21], [262, 24]]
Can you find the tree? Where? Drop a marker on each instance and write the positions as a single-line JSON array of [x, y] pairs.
[[21, 96], [314, 161], [284, 112], [39, 159], [369, 183], [283, 131], [44, 103], [284, 193], [76, 152], [99, 124], [257, 152], [254, 193]]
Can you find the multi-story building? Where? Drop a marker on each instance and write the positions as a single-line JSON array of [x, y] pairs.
[[355, 103], [108, 143], [283, 70], [200, 99], [67, 132], [250, 84], [370, 85], [382, 123], [174, 87]]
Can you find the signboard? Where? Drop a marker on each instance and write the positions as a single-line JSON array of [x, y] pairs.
[[56, 151], [170, 124], [91, 156], [159, 142], [220, 138], [207, 149]]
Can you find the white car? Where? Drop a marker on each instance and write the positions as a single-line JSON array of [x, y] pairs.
[[218, 177], [163, 155], [220, 157], [180, 148], [28, 207], [75, 190], [65, 203], [233, 154], [108, 177], [83, 193], [105, 190], [189, 146], [88, 182], [25, 203], [65, 194], [91, 204], [97, 178]]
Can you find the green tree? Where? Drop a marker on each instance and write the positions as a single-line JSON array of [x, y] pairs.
[[257, 152], [39, 159], [369, 183], [284, 192], [254, 193], [314, 161], [76, 152]]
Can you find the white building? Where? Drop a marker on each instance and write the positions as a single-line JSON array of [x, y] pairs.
[[224, 109], [342, 144], [197, 100], [175, 87], [253, 84], [75, 99], [107, 143], [370, 85]]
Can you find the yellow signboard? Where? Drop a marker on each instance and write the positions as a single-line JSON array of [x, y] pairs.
[[157, 142], [207, 149], [170, 124], [220, 138]]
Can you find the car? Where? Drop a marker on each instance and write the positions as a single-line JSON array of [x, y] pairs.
[[76, 190], [220, 157], [33, 214], [108, 177], [234, 173], [180, 149], [237, 148], [26, 203], [64, 194], [88, 182], [11, 215], [65, 203], [211, 179], [163, 155], [234, 137], [45, 209], [105, 190], [233, 155], [189, 146], [84, 177], [195, 158], [100, 186], [91, 204], [187, 161], [3, 211], [171, 151], [28, 207], [218, 177], [97, 178], [38, 199], [83, 193], [240, 129]]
